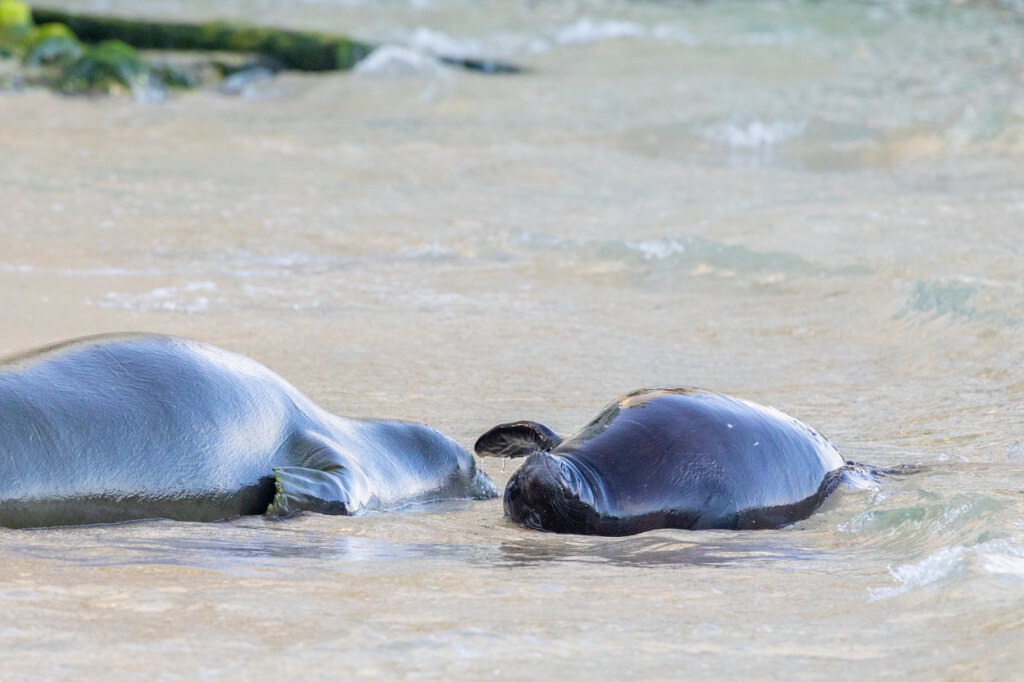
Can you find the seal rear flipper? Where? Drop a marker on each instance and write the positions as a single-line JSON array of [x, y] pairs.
[[516, 439], [867, 477], [898, 470]]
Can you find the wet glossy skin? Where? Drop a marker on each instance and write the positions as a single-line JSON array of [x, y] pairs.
[[670, 458], [113, 428]]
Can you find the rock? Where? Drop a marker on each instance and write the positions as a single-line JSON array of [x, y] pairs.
[[299, 50], [109, 67], [51, 44]]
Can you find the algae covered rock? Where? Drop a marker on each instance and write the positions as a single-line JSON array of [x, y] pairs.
[[15, 24], [82, 53], [51, 44], [300, 50], [110, 67]]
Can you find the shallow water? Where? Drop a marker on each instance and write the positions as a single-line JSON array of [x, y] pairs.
[[817, 207]]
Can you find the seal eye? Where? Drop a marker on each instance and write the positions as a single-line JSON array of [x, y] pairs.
[[533, 520]]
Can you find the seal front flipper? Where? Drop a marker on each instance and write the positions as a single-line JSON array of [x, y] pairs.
[[516, 439], [324, 479]]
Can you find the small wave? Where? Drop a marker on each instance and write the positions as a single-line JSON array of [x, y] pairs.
[[245, 265], [657, 249], [108, 272], [395, 61], [190, 298], [285, 260], [588, 30], [755, 134], [904, 519], [769, 38], [974, 128], [940, 299], [950, 299], [713, 255], [447, 47], [939, 567], [435, 42], [723, 255], [251, 83], [583, 31], [12, 267], [1003, 558], [234, 263], [81, 272], [431, 251], [702, 256]]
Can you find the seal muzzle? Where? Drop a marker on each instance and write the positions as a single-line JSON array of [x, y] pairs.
[[548, 493]]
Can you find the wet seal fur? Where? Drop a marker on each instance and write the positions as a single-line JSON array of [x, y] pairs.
[[667, 458], [122, 427]]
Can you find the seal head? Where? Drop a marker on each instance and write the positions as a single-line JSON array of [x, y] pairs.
[[549, 492]]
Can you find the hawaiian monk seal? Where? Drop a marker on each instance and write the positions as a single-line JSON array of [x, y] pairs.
[[120, 427], [666, 458]]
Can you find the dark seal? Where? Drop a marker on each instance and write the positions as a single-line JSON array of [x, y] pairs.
[[115, 428], [667, 458]]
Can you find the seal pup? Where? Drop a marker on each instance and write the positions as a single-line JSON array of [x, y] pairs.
[[666, 458], [132, 426]]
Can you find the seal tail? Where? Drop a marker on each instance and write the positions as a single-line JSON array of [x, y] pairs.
[[516, 439]]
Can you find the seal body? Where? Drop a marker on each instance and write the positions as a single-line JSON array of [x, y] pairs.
[[667, 458], [114, 428]]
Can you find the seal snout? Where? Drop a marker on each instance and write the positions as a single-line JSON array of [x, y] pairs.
[[546, 493]]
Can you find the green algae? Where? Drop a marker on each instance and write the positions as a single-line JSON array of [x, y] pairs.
[[110, 67], [299, 50], [15, 16], [178, 77], [50, 44], [84, 53], [15, 24]]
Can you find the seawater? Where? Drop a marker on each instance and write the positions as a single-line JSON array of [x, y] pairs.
[[817, 206]]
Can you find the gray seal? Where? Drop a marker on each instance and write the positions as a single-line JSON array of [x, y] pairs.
[[666, 458], [121, 427]]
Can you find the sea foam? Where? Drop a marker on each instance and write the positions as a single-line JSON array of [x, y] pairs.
[[754, 134]]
